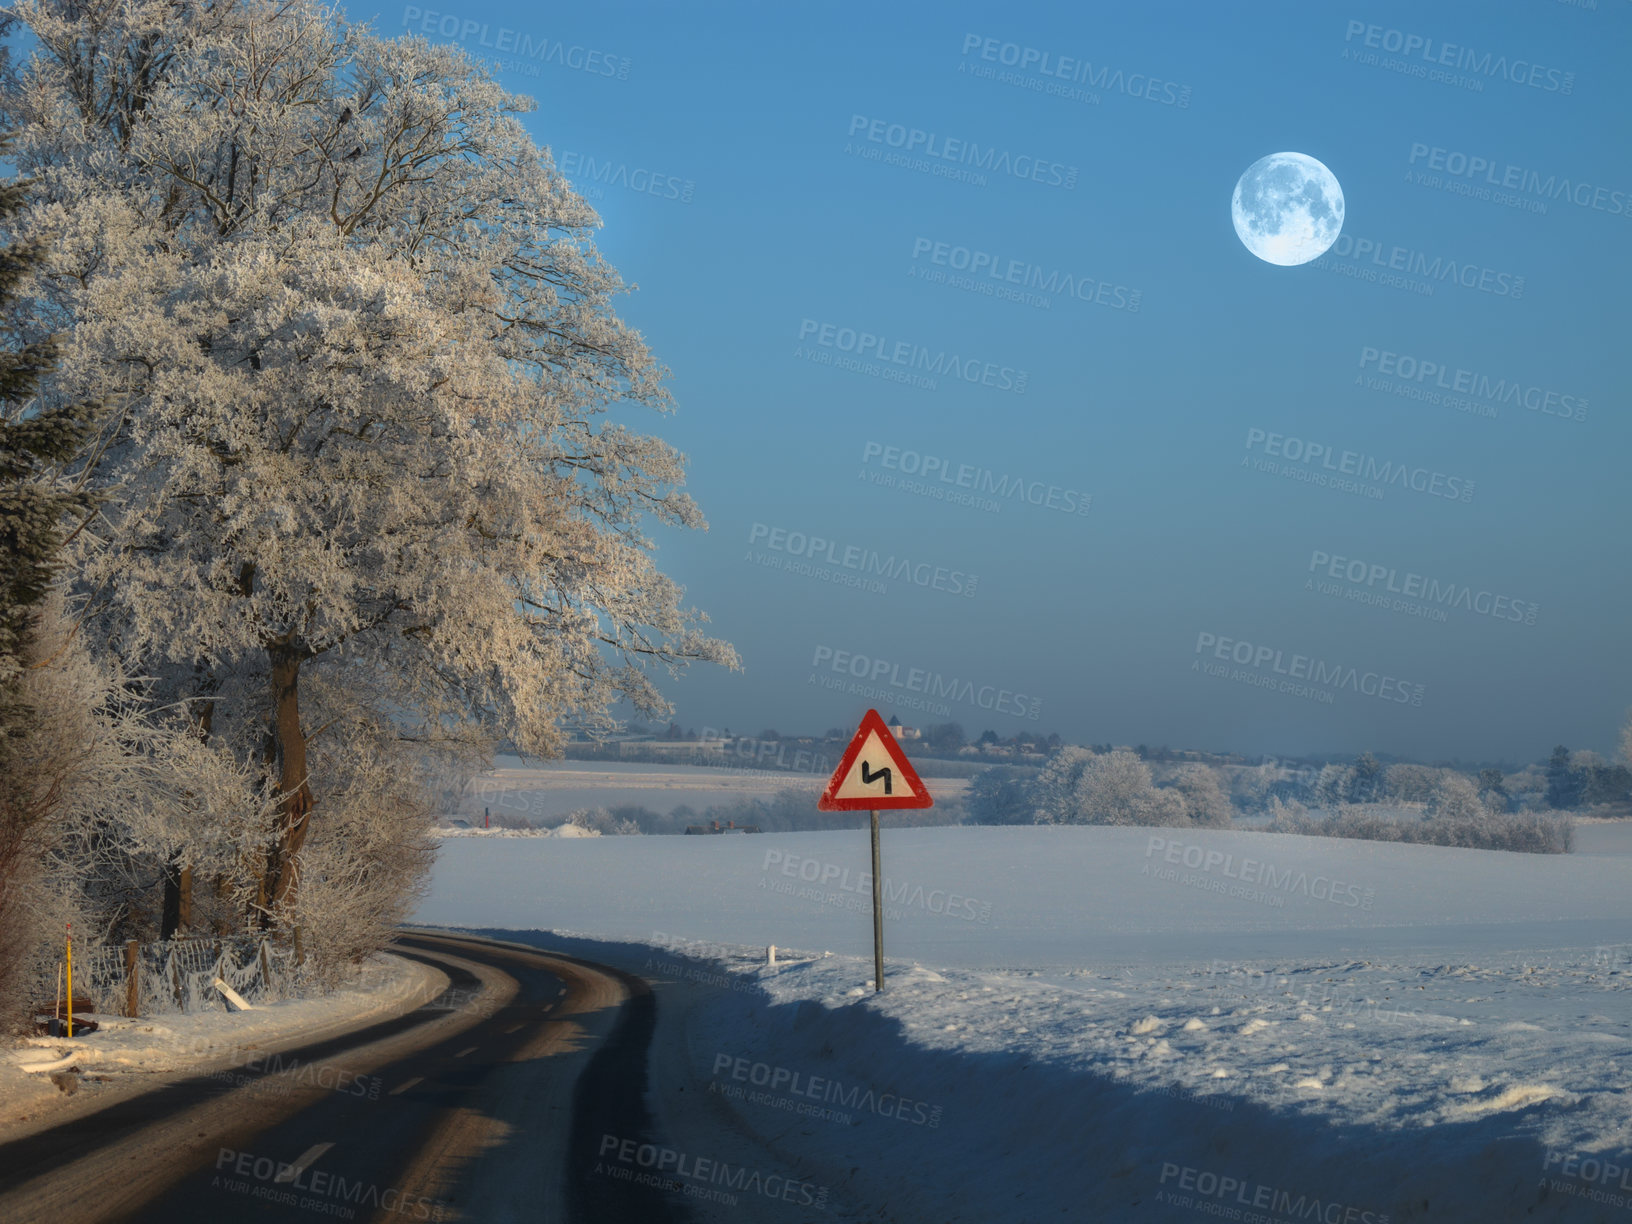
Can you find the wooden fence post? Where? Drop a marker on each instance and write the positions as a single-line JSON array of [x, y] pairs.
[[133, 980]]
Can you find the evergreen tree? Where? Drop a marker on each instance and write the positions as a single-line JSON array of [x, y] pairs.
[[39, 500], [1001, 795], [1367, 780], [39, 497], [1493, 789], [1563, 783]]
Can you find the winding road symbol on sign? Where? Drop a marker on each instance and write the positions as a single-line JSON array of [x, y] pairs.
[[874, 774]]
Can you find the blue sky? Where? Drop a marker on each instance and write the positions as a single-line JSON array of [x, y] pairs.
[[1186, 605]]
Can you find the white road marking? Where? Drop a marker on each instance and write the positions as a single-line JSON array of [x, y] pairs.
[[463, 1052], [405, 1085], [304, 1162]]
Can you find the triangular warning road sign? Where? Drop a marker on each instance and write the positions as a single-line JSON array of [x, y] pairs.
[[874, 774]]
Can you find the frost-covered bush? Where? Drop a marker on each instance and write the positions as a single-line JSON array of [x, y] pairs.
[[601, 822], [1477, 829], [366, 865], [1455, 797], [1080, 786], [1001, 795], [114, 790]]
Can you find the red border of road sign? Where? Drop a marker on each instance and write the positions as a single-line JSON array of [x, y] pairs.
[[918, 796]]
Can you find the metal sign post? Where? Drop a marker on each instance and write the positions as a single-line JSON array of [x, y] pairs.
[[878, 913], [874, 773]]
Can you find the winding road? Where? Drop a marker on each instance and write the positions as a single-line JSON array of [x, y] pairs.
[[493, 1102]]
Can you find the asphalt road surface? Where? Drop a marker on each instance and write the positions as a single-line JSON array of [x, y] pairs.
[[491, 1103]]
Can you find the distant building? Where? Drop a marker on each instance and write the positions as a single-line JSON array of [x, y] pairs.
[[900, 731]]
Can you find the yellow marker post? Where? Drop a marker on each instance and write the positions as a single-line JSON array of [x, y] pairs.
[[70, 979]]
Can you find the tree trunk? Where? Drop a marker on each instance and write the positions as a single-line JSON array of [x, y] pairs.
[[177, 912], [178, 900], [295, 803], [222, 890]]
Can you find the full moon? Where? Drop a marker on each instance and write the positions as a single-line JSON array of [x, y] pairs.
[[1287, 208]]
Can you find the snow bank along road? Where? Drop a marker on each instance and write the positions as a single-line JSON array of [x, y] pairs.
[[492, 1102], [1114, 1024]]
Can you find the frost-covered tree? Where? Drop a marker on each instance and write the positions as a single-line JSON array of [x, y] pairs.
[[1331, 785], [1493, 791], [363, 351], [116, 787], [1204, 800], [1054, 791], [1527, 788], [1116, 788], [1001, 795], [1563, 780], [43, 500], [1289, 817], [1252, 785], [364, 868], [1105, 788], [43, 489], [1455, 797], [1409, 783], [1366, 782]]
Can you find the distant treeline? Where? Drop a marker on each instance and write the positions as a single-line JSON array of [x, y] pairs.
[[788, 811], [1403, 803], [1527, 810]]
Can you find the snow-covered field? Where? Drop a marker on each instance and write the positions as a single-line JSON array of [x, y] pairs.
[[546, 791], [1130, 1024]]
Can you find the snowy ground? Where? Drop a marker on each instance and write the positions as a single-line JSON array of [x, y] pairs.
[[1081, 1025], [544, 792], [134, 1054]]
